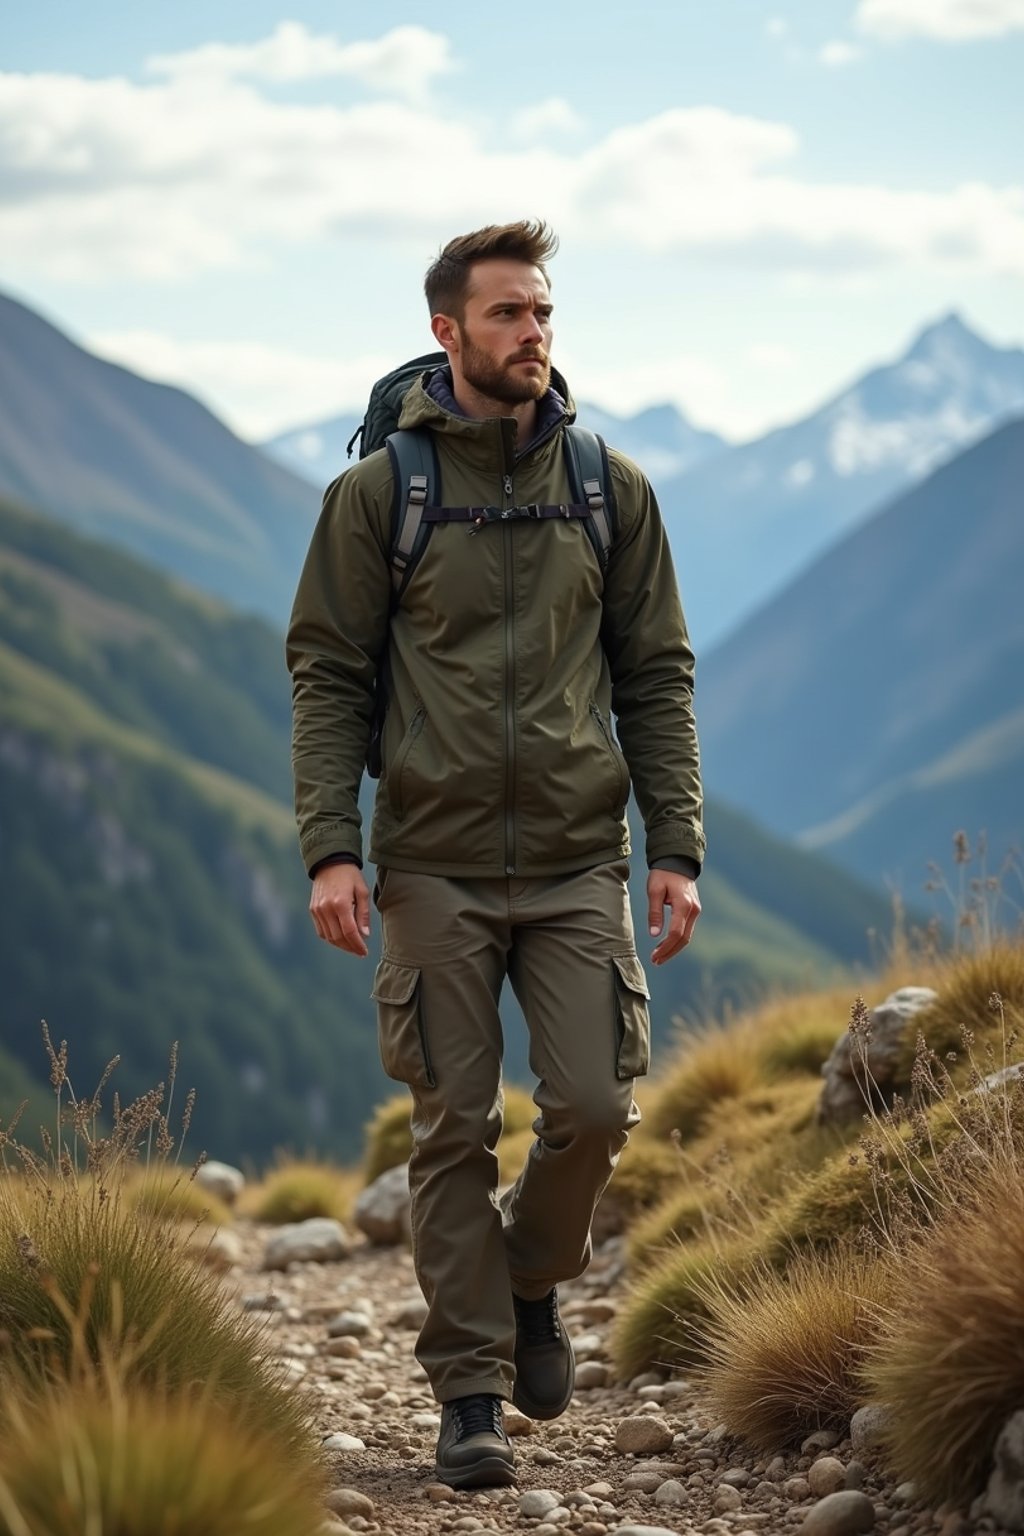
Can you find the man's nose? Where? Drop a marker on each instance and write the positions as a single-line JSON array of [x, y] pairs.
[[532, 329]]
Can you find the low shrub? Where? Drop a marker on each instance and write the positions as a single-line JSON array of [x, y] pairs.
[[115, 1462], [784, 1352], [298, 1189]]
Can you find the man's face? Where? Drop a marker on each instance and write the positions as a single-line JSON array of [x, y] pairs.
[[504, 336]]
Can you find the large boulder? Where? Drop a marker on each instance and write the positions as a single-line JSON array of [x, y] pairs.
[[865, 1067], [382, 1210]]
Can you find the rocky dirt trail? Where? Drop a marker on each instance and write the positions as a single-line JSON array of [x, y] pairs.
[[636, 1460]]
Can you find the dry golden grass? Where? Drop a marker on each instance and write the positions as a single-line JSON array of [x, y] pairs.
[[711, 1066], [784, 1352], [81, 1269], [300, 1188], [658, 1326], [964, 985], [98, 1460], [172, 1194], [389, 1137], [949, 1360]]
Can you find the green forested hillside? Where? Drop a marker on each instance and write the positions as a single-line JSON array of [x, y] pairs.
[[152, 888]]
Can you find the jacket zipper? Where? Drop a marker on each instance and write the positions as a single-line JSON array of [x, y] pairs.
[[510, 713], [610, 744]]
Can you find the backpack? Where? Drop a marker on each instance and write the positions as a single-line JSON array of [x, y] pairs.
[[416, 505]]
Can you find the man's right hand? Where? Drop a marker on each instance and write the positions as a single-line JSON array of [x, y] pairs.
[[340, 907]]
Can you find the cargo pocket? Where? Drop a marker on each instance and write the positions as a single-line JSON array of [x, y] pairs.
[[633, 1056], [403, 1041]]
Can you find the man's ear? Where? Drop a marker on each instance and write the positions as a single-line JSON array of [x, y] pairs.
[[446, 332]]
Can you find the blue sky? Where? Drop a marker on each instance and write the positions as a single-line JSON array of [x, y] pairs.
[[756, 201]]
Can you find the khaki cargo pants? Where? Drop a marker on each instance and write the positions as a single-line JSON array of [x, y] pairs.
[[566, 943]]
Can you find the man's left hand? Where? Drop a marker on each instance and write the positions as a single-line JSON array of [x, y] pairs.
[[679, 893]]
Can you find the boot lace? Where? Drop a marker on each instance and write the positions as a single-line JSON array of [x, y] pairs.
[[479, 1414], [537, 1321]]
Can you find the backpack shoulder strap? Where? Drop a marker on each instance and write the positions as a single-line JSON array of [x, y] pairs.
[[590, 479], [417, 482]]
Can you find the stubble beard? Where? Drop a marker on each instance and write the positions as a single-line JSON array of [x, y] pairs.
[[500, 381]]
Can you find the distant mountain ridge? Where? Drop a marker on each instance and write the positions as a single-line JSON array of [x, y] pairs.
[[876, 705], [147, 467], [659, 438], [745, 522]]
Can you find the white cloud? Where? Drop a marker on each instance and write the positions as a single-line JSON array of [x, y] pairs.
[[776, 26], [101, 178], [838, 53], [553, 116], [401, 63], [254, 378], [948, 20], [771, 356]]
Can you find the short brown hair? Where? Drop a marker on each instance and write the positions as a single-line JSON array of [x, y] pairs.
[[447, 281]]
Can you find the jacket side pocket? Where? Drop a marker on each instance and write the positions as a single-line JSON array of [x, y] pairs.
[[633, 1055], [400, 1031]]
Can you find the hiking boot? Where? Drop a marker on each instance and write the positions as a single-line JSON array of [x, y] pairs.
[[473, 1450], [545, 1367]]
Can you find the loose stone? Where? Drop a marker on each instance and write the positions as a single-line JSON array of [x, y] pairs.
[[821, 1440], [317, 1240], [727, 1499], [840, 1514], [538, 1502], [826, 1475], [439, 1493], [856, 1472], [342, 1442], [343, 1348], [869, 1425], [796, 1489], [591, 1374], [736, 1477], [643, 1435], [671, 1495], [349, 1325], [349, 1501]]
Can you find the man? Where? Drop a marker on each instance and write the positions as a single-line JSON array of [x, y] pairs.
[[499, 830]]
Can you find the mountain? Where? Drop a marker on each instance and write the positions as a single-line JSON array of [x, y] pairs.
[[746, 521], [147, 467], [875, 706], [660, 439], [153, 889]]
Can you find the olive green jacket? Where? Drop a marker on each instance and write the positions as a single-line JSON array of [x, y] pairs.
[[507, 657]]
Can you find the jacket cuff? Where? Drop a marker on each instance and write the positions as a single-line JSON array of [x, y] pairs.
[[678, 864], [326, 841], [676, 839], [334, 858]]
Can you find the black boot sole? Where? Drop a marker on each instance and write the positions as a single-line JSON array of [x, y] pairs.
[[488, 1472], [534, 1410]]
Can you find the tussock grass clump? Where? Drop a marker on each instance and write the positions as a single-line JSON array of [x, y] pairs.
[[125, 1463], [965, 986], [389, 1136], [785, 1352], [301, 1188], [659, 1325], [71, 1261], [170, 1193], [949, 1359], [799, 1038], [712, 1066]]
